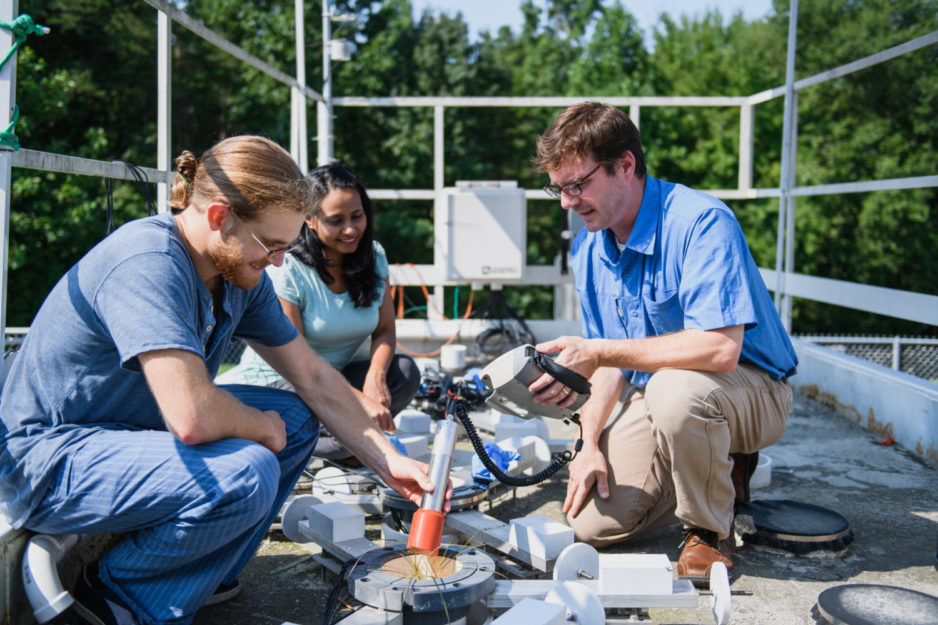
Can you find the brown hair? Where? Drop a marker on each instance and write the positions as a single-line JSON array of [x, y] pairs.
[[250, 174], [589, 129]]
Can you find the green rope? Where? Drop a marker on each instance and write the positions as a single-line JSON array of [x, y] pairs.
[[22, 27], [7, 137]]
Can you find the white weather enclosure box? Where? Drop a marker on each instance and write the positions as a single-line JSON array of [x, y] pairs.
[[481, 231]]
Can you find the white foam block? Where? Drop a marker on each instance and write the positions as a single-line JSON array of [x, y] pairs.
[[635, 574], [534, 612], [410, 421], [335, 522], [417, 446], [539, 536]]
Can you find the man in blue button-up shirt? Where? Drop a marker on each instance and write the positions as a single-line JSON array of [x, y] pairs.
[[685, 351]]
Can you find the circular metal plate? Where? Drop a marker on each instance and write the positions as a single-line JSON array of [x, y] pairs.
[[340, 482], [473, 581], [872, 604], [464, 496], [577, 561], [294, 513], [583, 607], [720, 601]]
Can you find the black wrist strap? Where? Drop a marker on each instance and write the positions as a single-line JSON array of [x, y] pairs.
[[565, 376]]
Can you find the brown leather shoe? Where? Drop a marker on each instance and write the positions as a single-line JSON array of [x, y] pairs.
[[701, 549], [744, 465]]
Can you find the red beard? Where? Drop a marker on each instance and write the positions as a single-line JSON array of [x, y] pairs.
[[230, 262]]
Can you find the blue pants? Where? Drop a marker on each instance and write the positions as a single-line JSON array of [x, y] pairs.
[[195, 513]]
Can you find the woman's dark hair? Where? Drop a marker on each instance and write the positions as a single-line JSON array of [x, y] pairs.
[[358, 268]]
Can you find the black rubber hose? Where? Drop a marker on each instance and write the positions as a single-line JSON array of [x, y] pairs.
[[461, 410]]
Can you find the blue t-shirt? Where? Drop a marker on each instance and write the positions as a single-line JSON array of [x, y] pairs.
[[686, 265], [77, 371], [332, 325]]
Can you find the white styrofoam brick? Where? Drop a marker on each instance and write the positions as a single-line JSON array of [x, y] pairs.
[[534, 612], [539, 536], [410, 421], [334, 522], [635, 574], [416, 445]]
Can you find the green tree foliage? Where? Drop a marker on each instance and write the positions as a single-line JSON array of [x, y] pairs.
[[89, 89]]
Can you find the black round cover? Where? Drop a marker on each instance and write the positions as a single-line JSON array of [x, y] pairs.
[[872, 604], [792, 526]]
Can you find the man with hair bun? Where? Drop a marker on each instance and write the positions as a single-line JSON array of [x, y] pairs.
[[687, 356], [110, 419]]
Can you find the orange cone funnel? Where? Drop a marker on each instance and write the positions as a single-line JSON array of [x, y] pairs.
[[426, 532]]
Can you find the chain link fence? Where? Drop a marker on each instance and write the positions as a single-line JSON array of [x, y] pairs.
[[916, 356]]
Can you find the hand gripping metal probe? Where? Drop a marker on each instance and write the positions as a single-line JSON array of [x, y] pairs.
[[426, 529]]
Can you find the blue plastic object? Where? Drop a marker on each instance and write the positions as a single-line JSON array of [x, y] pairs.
[[398, 445], [481, 476]]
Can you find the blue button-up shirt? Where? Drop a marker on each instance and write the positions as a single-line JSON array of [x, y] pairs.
[[686, 265]]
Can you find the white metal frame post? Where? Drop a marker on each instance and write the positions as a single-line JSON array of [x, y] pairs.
[[785, 198], [164, 126], [435, 312], [747, 119], [298, 138], [324, 106], [787, 297], [8, 9]]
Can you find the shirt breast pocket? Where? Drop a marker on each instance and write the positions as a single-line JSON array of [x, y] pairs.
[[664, 314]]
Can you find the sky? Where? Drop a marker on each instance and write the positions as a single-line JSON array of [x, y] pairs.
[[492, 14]]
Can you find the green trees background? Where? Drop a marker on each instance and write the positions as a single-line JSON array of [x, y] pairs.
[[89, 89]]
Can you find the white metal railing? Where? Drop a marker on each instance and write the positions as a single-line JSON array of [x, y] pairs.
[[787, 284]]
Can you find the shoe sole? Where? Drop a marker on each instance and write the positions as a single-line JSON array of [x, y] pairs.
[[220, 597]]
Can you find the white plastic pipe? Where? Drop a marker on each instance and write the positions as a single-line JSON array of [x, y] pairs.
[[41, 576]]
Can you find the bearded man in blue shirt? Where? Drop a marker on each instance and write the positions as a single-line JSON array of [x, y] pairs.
[[686, 354], [110, 420]]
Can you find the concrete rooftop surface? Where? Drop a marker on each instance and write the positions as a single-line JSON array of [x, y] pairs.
[[888, 494]]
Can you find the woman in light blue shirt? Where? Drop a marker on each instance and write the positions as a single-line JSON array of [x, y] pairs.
[[335, 291]]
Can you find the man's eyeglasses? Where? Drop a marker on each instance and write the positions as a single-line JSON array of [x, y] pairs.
[[572, 189], [270, 253]]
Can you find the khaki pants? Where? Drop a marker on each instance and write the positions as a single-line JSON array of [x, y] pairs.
[[668, 449]]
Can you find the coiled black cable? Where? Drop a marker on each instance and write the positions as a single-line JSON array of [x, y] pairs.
[[460, 409]]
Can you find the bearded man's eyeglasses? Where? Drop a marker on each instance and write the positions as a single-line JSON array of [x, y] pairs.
[[270, 252]]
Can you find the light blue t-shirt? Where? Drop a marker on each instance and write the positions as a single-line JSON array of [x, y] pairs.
[[333, 327], [686, 265], [78, 371]]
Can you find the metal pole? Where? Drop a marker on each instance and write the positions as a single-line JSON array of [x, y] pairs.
[[324, 107], [635, 112], [8, 9], [787, 298], [439, 162], [299, 142], [785, 181], [164, 127], [746, 143]]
